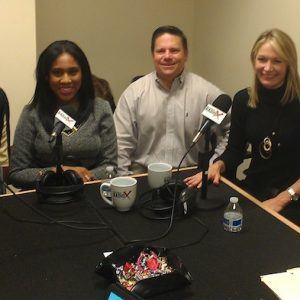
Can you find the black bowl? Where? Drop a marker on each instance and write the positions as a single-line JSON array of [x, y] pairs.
[[151, 286]]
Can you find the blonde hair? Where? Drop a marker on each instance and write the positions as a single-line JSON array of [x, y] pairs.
[[286, 50]]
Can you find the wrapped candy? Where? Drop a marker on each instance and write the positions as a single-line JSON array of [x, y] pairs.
[[148, 264]]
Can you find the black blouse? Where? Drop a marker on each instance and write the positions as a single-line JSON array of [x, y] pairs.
[[272, 171]]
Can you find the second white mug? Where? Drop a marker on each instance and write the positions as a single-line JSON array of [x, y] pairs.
[[159, 174]]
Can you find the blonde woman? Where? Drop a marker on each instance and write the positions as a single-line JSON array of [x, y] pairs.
[[267, 117]]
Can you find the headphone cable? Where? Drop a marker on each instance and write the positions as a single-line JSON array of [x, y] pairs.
[[168, 230], [64, 223]]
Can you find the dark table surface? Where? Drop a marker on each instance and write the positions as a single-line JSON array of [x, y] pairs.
[[49, 261]]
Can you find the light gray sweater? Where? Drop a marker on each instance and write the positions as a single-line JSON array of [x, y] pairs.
[[93, 146]]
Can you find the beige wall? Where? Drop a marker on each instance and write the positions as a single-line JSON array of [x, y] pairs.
[[18, 53], [226, 30], [115, 34], [225, 33]]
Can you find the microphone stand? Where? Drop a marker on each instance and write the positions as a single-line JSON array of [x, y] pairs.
[[213, 201], [58, 149], [61, 192], [204, 164]]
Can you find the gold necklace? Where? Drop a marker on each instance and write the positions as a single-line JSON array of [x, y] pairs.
[[69, 132]]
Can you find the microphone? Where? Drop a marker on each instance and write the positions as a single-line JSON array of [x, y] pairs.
[[63, 118], [214, 113]]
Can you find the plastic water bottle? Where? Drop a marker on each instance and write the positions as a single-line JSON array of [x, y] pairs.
[[233, 216], [109, 174]]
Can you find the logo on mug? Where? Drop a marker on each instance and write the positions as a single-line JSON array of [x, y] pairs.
[[121, 194]]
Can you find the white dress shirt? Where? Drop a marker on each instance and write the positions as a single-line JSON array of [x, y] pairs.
[[157, 125]]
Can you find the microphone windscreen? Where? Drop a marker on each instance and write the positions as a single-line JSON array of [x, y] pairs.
[[223, 102]]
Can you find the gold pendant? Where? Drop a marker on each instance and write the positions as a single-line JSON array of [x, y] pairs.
[[69, 132]]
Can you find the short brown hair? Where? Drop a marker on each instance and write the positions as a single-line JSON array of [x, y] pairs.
[[171, 30]]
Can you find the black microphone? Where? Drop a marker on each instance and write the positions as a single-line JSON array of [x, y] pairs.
[[63, 118], [214, 113]]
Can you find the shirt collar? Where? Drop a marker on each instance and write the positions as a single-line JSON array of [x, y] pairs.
[[178, 81]]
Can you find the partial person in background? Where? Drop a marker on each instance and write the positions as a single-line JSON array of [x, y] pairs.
[[4, 130], [158, 115], [4, 137], [103, 91], [63, 78], [267, 116]]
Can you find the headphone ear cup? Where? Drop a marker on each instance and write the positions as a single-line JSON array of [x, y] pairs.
[[167, 192], [70, 190], [48, 179], [185, 198], [71, 177], [187, 201]]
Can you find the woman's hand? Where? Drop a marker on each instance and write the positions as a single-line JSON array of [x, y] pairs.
[[282, 199], [279, 202], [84, 173], [214, 174]]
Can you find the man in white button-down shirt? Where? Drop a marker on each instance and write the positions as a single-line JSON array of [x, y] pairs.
[[158, 115]]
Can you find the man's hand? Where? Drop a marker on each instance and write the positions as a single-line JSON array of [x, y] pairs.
[[214, 174]]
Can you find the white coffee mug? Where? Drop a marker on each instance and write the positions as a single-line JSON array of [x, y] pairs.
[[159, 174], [123, 192]]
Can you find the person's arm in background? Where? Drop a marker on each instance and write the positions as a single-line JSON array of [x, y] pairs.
[[4, 148], [4, 138], [218, 98], [4, 130], [282, 199], [222, 135], [126, 129], [235, 150]]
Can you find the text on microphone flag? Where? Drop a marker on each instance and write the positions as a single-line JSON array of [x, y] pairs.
[[214, 114], [66, 119]]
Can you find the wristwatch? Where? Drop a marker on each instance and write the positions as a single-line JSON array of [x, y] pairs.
[[293, 195]]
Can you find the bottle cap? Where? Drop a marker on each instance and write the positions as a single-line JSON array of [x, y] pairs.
[[234, 199], [109, 169]]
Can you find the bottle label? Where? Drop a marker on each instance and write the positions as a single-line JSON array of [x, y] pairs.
[[232, 221]]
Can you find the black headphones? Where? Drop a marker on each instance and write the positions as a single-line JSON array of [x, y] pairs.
[[70, 190], [163, 201]]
